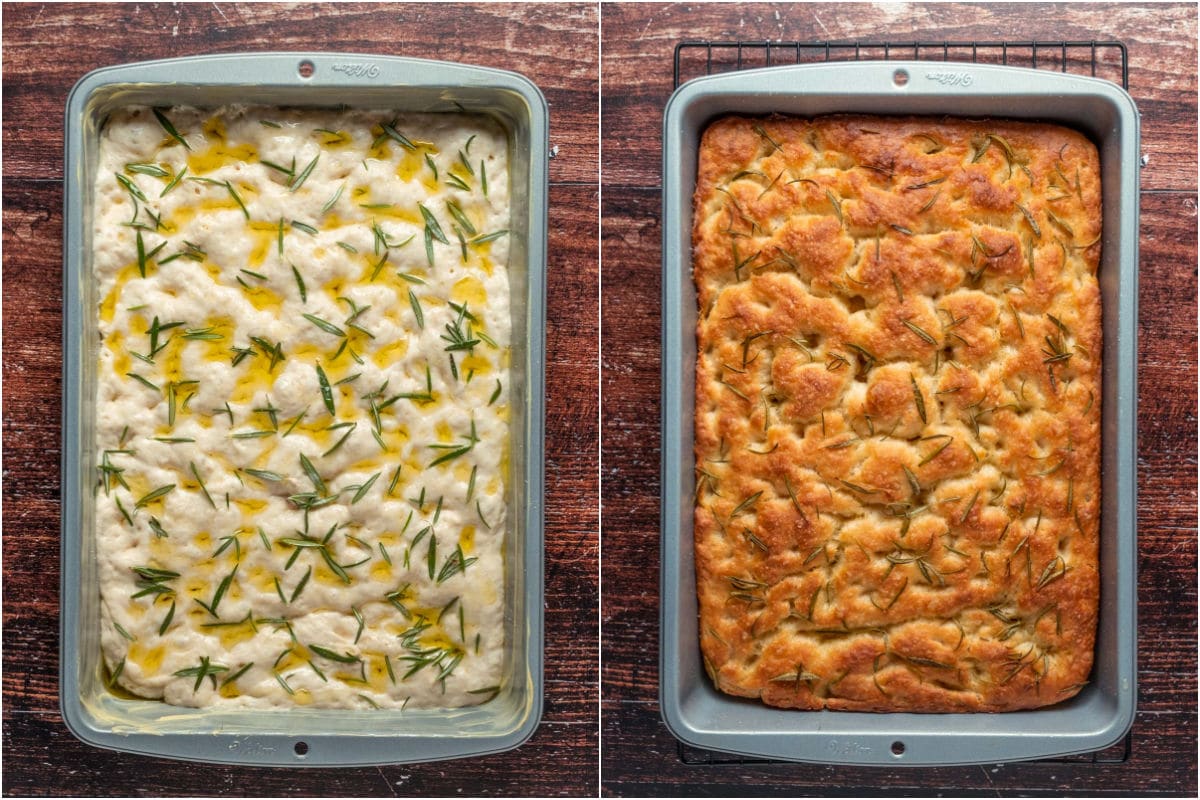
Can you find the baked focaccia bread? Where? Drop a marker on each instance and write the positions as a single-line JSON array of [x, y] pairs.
[[897, 411]]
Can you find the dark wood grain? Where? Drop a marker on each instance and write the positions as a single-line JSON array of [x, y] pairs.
[[639, 42], [640, 757], [554, 45]]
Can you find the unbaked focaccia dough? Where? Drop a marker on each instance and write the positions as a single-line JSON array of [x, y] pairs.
[[897, 411], [302, 406]]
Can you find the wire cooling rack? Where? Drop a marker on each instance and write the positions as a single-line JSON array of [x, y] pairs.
[[1100, 59]]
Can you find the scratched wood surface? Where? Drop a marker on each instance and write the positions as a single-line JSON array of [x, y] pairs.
[[48, 48], [640, 757]]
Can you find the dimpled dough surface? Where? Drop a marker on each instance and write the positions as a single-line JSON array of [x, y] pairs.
[[897, 411], [300, 497]]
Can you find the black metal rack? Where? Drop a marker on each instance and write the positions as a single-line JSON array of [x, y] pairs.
[[1103, 59]]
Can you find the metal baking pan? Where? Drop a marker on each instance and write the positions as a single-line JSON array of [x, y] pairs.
[[307, 737], [1103, 711]]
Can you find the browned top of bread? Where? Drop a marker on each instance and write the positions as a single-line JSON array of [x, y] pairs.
[[897, 411]]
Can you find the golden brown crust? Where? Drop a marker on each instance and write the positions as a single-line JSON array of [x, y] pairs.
[[897, 411]]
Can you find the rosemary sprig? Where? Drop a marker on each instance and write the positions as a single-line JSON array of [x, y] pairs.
[[938, 451], [205, 669], [331, 137], [283, 682], [762, 133], [868, 359], [219, 594], [300, 584], [190, 251], [461, 218], [253, 434], [455, 336], [356, 312], [322, 547], [329, 204], [116, 673], [208, 334], [237, 199], [152, 580], [455, 563], [326, 390], [455, 451], [317, 481], [156, 328], [289, 171], [134, 192], [381, 240], [159, 530], [170, 129], [109, 472], [980, 146], [121, 508], [488, 237], [416, 309], [462, 159], [1037, 231], [124, 633], [300, 284], [274, 352], [854, 487], [237, 674], [141, 254], [431, 224], [147, 168], [166, 623], [389, 130], [364, 488], [142, 380], [324, 325], [745, 504], [925, 336], [342, 440], [299, 180], [174, 182], [230, 541], [155, 494], [837, 207], [918, 398]]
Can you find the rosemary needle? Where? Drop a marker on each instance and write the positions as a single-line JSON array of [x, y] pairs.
[[299, 180], [326, 390], [169, 128]]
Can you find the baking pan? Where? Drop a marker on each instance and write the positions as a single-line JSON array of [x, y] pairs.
[[1103, 711], [312, 737]]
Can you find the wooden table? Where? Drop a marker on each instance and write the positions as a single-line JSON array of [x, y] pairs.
[[48, 48], [640, 757]]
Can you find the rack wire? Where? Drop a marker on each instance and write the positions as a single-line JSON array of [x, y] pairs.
[[1100, 59]]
